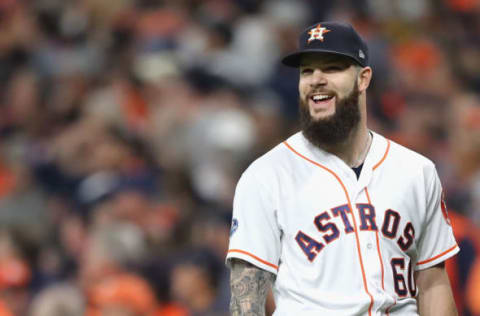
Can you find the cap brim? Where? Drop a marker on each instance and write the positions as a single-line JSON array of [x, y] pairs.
[[294, 59]]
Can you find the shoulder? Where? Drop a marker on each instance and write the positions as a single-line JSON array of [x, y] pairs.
[[275, 159], [270, 166], [404, 160]]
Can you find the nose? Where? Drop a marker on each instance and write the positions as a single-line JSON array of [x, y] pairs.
[[318, 78]]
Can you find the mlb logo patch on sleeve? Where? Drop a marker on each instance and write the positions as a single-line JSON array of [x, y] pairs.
[[234, 226]]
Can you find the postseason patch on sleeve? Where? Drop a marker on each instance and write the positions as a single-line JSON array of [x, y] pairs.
[[234, 226]]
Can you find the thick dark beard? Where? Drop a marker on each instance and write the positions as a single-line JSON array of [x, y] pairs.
[[336, 128]]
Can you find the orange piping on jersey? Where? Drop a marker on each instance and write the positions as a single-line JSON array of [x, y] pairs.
[[353, 216], [254, 257], [384, 156], [389, 307], [437, 256], [378, 243]]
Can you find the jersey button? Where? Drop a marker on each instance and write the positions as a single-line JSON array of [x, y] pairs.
[[369, 245]]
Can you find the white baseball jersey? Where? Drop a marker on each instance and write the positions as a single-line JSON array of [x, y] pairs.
[[337, 244]]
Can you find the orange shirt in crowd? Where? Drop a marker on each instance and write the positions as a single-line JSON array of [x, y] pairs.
[[4, 311]]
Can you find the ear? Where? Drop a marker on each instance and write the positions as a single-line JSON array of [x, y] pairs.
[[364, 78]]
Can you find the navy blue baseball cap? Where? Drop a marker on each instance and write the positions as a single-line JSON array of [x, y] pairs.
[[330, 37]]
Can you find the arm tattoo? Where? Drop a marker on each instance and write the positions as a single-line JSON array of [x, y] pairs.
[[249, 285]]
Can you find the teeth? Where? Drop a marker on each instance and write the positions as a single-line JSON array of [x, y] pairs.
[[320, 97]]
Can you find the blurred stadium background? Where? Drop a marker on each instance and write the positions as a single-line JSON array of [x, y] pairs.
[[125, 124]]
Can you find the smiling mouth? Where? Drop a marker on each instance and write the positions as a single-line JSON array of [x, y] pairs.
[[319, 98]]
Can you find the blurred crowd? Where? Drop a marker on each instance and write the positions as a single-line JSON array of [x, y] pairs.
[[125, 124]]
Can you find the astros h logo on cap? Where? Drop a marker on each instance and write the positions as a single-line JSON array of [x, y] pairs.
[[317, 33]]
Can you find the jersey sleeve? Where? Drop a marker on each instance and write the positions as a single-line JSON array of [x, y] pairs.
[[254, 235], [437, 243]]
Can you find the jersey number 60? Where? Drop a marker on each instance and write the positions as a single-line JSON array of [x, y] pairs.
[[402, 287]]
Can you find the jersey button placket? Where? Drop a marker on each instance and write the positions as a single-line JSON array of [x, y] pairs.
[[370, 255]]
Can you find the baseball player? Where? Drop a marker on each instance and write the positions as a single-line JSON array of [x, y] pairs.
[[338, 219]]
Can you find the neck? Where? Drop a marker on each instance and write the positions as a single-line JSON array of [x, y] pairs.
[[354, 149]]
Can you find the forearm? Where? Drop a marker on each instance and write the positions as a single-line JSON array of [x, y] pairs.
[[249, 286], [435, 295]]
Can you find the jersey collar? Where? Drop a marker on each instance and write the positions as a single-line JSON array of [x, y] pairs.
[[376, 155]]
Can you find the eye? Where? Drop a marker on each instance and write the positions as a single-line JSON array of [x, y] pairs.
[[306, 71]]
